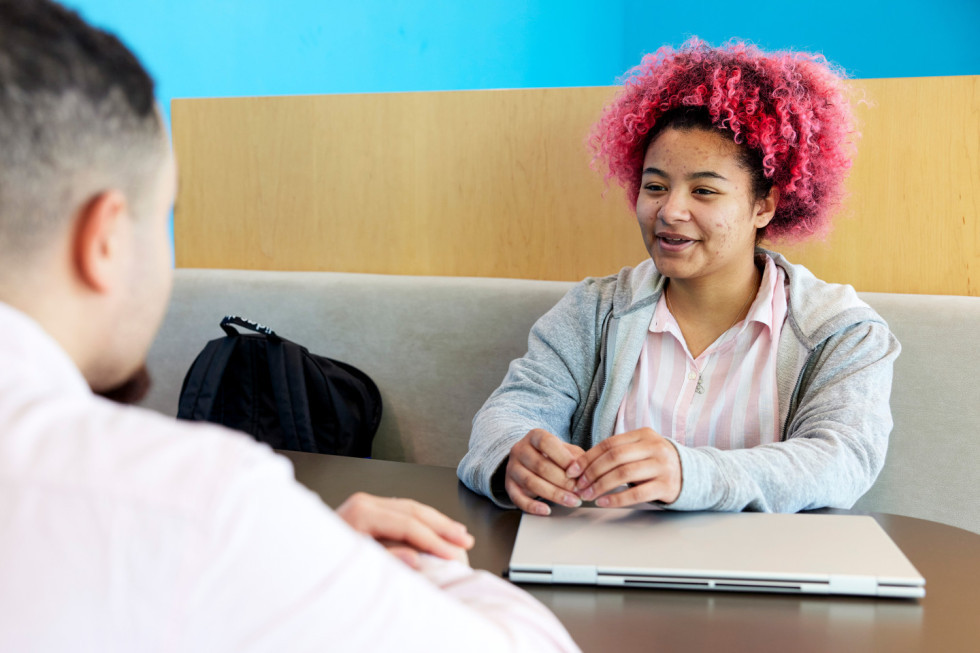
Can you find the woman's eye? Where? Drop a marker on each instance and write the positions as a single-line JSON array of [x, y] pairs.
[[654, 187], [704, 191]]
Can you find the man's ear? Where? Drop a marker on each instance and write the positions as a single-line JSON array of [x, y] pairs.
[[100, 238], [765, 209]]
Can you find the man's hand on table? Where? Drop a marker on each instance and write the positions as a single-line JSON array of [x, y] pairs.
[[407, 528]]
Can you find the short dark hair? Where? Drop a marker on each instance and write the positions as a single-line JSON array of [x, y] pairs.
[[77, 117]]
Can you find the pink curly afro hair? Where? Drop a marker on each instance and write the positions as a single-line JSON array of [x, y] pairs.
[[789, 109]]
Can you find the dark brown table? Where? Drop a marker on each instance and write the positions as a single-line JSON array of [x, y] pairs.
[[616, 620]]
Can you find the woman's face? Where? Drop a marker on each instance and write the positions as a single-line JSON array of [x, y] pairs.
[[696, 207]]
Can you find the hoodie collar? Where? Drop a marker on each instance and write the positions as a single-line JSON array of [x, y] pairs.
[[817, 309]]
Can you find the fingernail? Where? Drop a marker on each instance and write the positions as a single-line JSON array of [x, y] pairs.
[[588, 494], [573, 471], [542, 510], [571, 501], [602, 502]]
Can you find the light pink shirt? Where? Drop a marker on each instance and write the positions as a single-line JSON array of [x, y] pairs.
[[123, 530], [736, 404]]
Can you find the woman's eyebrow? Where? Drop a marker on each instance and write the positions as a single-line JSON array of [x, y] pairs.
[[703, 174], [706, 174]]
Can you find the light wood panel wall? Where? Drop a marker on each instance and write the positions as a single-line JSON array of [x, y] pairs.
[[482, 183], [912, 221], [498, 183]]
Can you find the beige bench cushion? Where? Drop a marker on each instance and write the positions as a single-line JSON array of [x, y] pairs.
[[437, 347]]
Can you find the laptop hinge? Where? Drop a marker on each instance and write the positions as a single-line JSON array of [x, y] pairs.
[[866, 585], [585, 574]]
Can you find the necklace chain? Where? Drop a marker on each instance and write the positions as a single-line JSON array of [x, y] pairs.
[[700, 388]]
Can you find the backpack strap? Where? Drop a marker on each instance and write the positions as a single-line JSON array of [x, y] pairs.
[[289, 387], [238, 320], [203, 380]]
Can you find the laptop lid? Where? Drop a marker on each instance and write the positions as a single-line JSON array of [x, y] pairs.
[[752, 552]]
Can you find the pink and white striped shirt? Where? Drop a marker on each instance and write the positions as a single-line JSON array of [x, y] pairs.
[[737, 405]]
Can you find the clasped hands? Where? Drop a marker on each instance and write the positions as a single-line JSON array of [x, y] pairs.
[[541, 466]]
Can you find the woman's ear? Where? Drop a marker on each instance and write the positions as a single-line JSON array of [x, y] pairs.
[[765, 208], [101, 236]]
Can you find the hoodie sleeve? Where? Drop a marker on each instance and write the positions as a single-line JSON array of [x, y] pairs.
[[835, 441], [543, 389]]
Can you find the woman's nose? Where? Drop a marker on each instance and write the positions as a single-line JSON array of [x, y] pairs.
[[674, 208]]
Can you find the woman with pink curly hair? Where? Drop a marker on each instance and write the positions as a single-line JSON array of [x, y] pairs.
[[715, 375]]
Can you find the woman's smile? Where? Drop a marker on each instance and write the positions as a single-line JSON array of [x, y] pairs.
[[670, 242]]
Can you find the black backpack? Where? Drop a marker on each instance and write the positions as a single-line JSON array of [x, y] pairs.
[[280, 393]]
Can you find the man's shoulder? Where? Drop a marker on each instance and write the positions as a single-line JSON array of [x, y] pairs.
[[131, 458], [143, 515]]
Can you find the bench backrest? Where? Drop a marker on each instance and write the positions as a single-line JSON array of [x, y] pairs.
[[437, 347]]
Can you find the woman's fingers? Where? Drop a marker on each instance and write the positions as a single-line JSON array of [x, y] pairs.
[[536, 472], [613, 452], [523, 499], [559, 452], [636, 458], [655, 490]]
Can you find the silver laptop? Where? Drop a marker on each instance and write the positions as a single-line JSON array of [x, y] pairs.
[[741, 552]]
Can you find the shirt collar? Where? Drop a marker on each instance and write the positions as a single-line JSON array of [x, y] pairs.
[[32, 355], [760, 311]]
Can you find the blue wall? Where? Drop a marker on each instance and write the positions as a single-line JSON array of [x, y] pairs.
[[200, 48], [869, 38]]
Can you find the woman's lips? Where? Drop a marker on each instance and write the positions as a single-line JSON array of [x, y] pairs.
[[674, 243]]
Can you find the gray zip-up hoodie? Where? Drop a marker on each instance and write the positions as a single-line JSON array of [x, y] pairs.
[[834, 372]]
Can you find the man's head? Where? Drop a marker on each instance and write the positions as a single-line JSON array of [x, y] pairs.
[[86, 182]]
